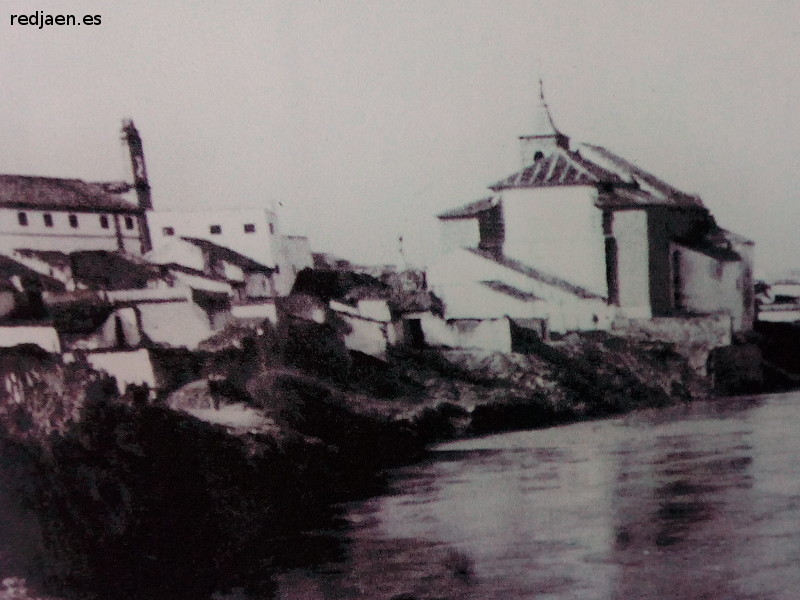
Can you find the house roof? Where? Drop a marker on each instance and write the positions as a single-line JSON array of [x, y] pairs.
[[470, 210], [11, 269], [642, 180], [53, 258], [621, 182], [218, 252], [81, 315], [52, 193], [329, 285], [102, 269], [509, 290], [558, 166], [546, 278]]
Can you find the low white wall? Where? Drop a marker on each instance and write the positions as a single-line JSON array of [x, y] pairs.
[[264, 310], [175, 323], [490, 334], [128, 367], [367, 336], [44, 336]]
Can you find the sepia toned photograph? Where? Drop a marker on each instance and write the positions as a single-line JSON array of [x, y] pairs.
[[399, 300]]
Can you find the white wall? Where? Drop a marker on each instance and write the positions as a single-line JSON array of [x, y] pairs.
[[712, 286], [473, 300], [260, 245], [44, 336], [173, 250], [633, 259], [89, 235], [294, 256], [559, 231], [175, 323], [453, 276], [492, 335], [262, 310], [459, 233], [127, 366], [367, 336]]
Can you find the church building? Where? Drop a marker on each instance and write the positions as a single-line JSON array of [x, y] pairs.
[[580, 239]]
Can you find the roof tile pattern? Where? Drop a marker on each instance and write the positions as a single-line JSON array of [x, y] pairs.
[[558, 166], [51, 193]]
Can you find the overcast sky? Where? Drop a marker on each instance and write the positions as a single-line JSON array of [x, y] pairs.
[[359, 121]]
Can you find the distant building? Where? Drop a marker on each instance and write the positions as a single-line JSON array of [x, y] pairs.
[[582, 239], [47, 213], [251, 232]]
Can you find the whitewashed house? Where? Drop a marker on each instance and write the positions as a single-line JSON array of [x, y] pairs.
[[582, 239], [251, 232]]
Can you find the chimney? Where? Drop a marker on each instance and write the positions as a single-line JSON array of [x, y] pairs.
[[140, 182]]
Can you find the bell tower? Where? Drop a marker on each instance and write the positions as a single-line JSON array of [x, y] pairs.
[[140, 182]]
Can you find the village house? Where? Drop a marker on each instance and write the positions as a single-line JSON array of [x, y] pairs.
[[251, 232], [582, 239], [356, 306], [251, 283]]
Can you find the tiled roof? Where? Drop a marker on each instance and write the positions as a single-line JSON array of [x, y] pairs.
[[621, 182], [558, 166], [105, 270], [509, 290], [545, 278], [631, 196], [51, 193], [218, 252], [330, 285], [644, 181], [470, 210]]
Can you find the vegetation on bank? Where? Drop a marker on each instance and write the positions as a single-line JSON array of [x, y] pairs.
[[201, 489]]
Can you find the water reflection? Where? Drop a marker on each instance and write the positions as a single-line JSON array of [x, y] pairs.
[[698, 501]]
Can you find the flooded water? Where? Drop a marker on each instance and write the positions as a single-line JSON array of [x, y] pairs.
[[698, 501]]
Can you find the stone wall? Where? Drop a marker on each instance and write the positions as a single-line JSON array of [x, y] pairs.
[[693, 337]]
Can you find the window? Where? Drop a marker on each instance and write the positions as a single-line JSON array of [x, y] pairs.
[[73, 221], [104, 221], [272, 227], [168, 230], [249, 228], [48, 219], [128, 222], [215, 229], [22, 219]]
